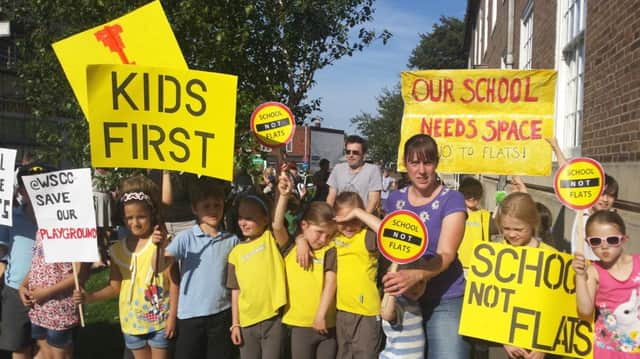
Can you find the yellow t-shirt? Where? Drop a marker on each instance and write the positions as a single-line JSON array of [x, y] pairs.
[[476, 230], [259, 270], [144, 298], [305, 290], [357, 292]]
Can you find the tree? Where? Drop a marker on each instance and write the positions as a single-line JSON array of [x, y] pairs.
[[275, 46], [442, 48]]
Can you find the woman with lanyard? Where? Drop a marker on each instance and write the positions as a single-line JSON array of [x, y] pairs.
[[443, 211]]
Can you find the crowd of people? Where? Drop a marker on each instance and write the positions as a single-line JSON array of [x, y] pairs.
[[268, 271]]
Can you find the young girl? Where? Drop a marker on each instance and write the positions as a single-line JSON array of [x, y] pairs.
[[612, 285], [311, 311], [143, 293], [517, 218], [255, 275]]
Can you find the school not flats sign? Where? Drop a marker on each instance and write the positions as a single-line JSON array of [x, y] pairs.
[[63, 205]]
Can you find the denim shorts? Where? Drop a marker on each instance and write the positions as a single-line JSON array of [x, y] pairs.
[[155, 340], [60, 339]]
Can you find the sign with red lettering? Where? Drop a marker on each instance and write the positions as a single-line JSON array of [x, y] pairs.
[[7, 178], [63, 204], [484, 121], [273, 124], [579, 183], [529, 295], [402, 237]]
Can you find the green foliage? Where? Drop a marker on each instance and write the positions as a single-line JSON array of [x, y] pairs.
[[274, 46], [383, 131], [442, 48]]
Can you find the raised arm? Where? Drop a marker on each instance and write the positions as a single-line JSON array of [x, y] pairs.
[[367, 218], [586, 284], [556, 149], [279, 228]]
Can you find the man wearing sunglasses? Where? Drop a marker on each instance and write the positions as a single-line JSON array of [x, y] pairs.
[[355, 175]]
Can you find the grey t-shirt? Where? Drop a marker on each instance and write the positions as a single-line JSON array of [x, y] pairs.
[[368, 179]]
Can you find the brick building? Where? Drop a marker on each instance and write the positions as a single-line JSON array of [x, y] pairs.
[[595, 47]]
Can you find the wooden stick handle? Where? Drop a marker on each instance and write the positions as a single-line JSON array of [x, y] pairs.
[[75, 279], [385, 299], [581, 239]]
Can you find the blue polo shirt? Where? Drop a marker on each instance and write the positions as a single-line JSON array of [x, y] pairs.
[[203, 271], [19, 241]]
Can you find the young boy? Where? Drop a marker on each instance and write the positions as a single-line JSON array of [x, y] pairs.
[[204, 314], [477, 225]]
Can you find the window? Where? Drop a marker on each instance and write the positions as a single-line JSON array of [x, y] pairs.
[[485, 24], [494, 14], [570, 39], [526, 37]]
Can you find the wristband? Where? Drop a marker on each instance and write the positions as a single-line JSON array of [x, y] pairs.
[[234, 326]]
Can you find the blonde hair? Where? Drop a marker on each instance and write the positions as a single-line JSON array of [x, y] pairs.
[[521, 206], [319, 214], [348, 199]]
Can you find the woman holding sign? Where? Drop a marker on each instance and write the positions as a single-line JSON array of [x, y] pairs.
[[443, 211]]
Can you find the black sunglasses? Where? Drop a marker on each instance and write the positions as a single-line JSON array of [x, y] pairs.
[[613, 241], [352, 152]]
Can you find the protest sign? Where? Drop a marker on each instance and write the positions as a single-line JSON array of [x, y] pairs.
[[144, 117], [529, 295], [273, 124], [7, 178], [484, 121], [402, 237], [579, 183], [63, 205], [142, 37]]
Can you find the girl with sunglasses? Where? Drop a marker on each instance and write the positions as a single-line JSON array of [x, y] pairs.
[[612, 285]]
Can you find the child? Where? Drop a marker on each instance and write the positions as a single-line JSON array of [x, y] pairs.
[[16, 249], [612, 285], [204, 305], [255, 275], [517, 219], [311, 310], [402, 324], [477, 225], [143, 292], [358, 299]]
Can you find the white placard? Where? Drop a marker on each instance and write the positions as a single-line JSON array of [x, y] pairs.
[[7, 181], [63, 204]]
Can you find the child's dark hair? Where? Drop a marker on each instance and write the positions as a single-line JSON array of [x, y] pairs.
[[263, 202], [348, 199], [610, 186], [139, 189], [546, 222], [471, 188], [206, 187], [423, 146], [318, 213], [606, 217]]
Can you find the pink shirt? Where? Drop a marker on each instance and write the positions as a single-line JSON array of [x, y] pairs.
[[617, 327], [59, 312]]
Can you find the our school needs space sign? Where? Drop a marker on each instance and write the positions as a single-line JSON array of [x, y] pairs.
[[528, 294], [164, 118], [484, 121], [63, 204]]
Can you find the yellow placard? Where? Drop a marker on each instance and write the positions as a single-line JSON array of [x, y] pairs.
[[579, 183], [402, 237], [141, 37], [528, 294], [145, 117], [484, 121], [273, 124]]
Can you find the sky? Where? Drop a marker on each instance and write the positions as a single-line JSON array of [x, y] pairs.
[[351, 85]]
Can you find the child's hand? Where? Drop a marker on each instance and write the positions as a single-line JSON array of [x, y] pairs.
[[353, 214], [320, 325], [579, 265], [159, 236], [304, 254], [517, 185], [236, 335], [79, 296], [534, 355], [515, 352], [170, 328], [39, 295], [284, 184], [25, 296]]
